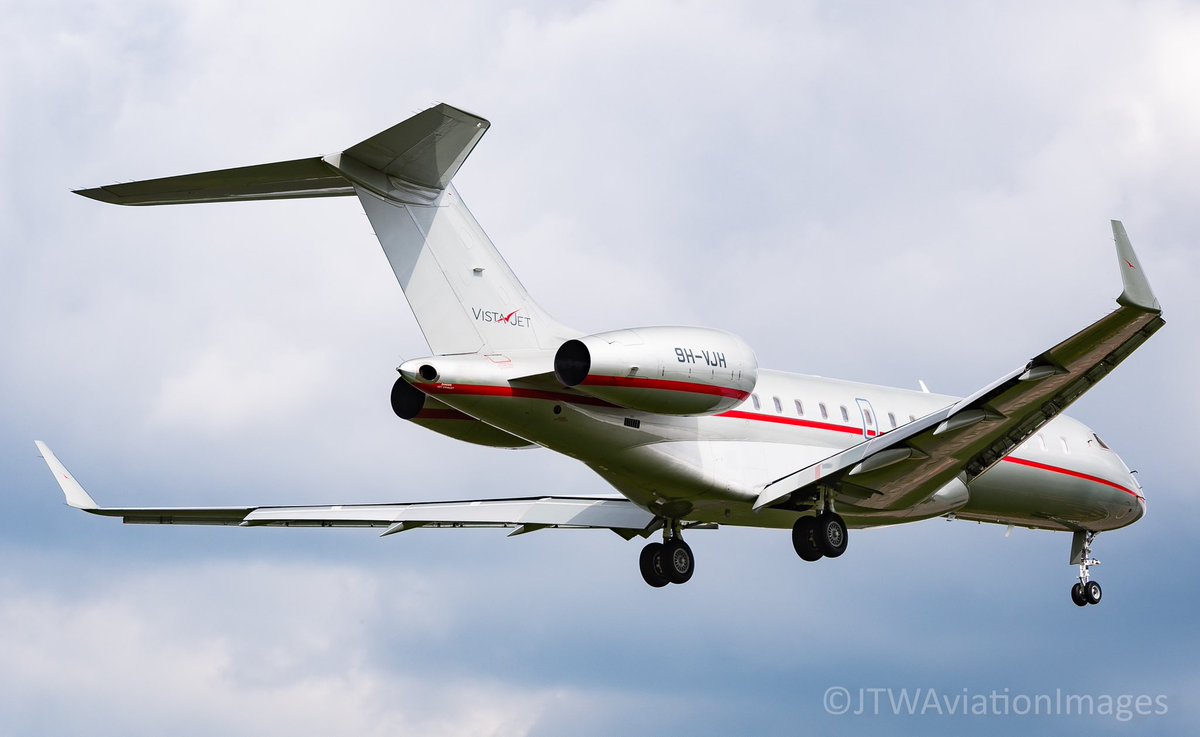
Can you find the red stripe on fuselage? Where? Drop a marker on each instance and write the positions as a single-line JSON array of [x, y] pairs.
[[481, 390], [1069, 472], [505, 391], [781, 420], [631, 382]]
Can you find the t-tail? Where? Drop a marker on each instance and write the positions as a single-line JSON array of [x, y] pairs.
[[465, 297]]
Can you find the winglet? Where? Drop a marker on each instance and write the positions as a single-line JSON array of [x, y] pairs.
[[75, 494], [1137, 288]]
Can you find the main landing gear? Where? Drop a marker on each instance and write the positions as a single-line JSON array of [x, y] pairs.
[[822, 536], [1085, 591], [669, 561]]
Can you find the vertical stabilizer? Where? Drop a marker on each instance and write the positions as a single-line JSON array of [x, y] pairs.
[[463, 294], [465, 297]]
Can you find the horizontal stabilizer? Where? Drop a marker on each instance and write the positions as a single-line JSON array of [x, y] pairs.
[[278, 181], [425, 151]]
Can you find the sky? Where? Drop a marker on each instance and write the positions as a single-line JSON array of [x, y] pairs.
[[882, 192]]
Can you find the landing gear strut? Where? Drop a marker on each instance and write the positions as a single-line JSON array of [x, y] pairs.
[[1085, 591], [670, 561]]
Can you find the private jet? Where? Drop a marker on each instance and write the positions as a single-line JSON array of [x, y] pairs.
[[681, 421]]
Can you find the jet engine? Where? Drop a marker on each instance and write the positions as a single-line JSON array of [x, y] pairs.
[[664, 370], [410, 403]]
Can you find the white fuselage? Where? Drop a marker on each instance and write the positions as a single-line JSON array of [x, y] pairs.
[[712, 468]]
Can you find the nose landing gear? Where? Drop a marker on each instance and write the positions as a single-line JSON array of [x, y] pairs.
[[1085, 591], [670, 561]]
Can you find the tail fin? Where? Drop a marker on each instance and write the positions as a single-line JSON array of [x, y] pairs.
[[465, 297]]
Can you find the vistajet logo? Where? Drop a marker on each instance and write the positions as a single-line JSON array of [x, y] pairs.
[[512, 319]]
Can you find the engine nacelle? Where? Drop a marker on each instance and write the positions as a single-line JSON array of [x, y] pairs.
[[664, 370], [412, 404]]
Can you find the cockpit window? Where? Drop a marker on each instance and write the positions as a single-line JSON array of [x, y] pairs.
[[1101, 442]]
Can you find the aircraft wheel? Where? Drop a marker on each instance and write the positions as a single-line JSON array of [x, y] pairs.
[[804, 539], [678, 563], [1077, 595], [651, 563], [831, 534], [1092, 592]]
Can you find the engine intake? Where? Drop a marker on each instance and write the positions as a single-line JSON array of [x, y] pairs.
[[665, 370]]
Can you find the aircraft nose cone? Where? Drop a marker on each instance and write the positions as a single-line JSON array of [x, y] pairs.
[[1140, 503]]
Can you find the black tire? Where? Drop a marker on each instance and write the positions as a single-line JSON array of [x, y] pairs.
[[831, 534], [651, 563], [1092, 592], [678, 562], [804, 539], [1077, 595]]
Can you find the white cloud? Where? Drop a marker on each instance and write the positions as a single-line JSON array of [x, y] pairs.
[[240, 649], [225, 390]]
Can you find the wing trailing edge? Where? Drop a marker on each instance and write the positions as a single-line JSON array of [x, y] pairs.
[[525, 514]]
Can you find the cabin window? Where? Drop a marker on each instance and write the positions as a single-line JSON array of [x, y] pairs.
[[892, 419], [824, 412], [778, 405], [845, 414], [754, 399], [799, 408]]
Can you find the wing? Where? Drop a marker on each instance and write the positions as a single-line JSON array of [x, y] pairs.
[[906, 466], [526, 514]]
